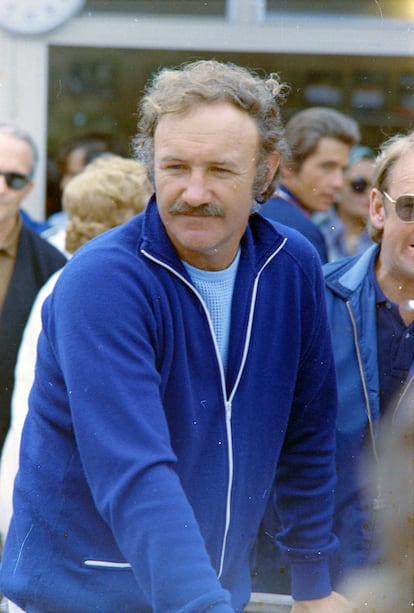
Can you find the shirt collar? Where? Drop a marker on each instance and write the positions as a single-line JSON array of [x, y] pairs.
[[286, 194]]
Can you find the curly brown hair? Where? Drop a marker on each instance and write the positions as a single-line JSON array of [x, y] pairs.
[[175, 90]]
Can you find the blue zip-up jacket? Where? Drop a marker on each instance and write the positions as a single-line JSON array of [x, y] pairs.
[[351, 304], [145, 470]]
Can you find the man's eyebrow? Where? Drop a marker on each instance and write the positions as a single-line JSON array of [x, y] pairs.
[[224, 162], [213, 162], [171, 158]]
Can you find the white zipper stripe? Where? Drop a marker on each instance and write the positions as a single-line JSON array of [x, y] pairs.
[[229, 486], [250, 321], [228, 403], [106, 564]]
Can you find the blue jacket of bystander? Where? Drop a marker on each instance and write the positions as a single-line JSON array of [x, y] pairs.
[[351, 304]]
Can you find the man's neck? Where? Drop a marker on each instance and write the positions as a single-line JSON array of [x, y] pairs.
[[7, 227], [293, 198]]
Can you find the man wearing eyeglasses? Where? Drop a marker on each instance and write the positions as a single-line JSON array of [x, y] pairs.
[[371, 312], [344, 226], [26, 260]]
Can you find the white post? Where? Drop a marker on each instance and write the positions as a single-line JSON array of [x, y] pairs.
[[23, 101]]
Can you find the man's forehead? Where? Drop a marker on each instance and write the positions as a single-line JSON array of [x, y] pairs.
[[15, 150], [402, 171]]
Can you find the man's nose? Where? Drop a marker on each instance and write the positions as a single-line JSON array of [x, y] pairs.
[[196, 191]]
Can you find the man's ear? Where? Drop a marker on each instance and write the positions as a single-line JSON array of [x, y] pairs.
[[272, 164], [376, 209]]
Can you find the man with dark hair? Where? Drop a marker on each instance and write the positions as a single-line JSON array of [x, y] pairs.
[[26, 260], [320, 140]]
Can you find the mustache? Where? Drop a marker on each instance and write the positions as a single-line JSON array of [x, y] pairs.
[[204, 210]]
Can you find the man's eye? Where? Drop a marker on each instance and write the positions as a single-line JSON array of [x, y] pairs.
[[220, 170], [174, 167]]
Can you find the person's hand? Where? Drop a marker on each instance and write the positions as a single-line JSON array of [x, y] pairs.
[[334, 603]]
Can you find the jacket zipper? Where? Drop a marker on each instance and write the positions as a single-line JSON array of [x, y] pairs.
[[379, 500], [227, 401]]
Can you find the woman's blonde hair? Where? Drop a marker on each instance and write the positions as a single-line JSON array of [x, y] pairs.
[[108, 192]]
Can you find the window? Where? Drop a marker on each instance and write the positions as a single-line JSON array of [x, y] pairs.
[[397, 9], [213, 8]]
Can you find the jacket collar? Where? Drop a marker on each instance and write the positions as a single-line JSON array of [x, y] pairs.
[[344, 276], [260, 240]]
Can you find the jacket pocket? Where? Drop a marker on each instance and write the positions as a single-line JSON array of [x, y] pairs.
[[106, 564]]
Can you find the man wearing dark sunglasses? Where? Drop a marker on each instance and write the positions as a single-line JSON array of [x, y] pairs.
[[371, 312], [344, 225], [26, 260]]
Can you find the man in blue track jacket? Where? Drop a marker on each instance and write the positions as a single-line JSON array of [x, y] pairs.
[[184, 366]]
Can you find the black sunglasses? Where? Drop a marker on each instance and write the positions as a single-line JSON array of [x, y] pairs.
[[15, 180], [359, 185], [404, 206]]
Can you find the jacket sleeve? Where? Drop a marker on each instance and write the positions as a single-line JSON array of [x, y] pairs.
[[304, 493], [105, 346]]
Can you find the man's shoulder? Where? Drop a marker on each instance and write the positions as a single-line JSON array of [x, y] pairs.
[[345, 275], [124, 238], [30, 241], [298, 242], [286, 212], [282, 210], [115, 253]]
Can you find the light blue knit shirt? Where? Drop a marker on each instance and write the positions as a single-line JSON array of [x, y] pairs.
[[216, 289]]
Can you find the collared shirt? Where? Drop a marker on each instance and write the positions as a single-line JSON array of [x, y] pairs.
[[8, 252], [395, 347]]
